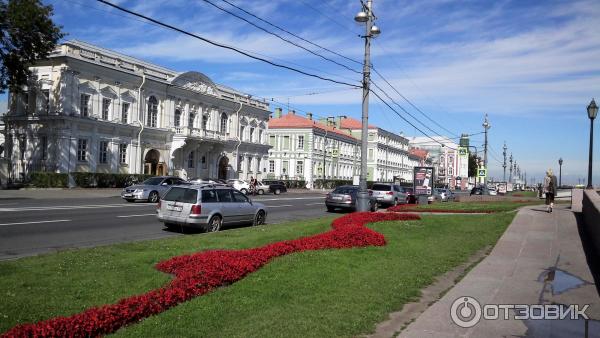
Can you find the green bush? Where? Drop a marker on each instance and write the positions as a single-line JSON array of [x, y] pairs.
[[48, 180], [84, 179]]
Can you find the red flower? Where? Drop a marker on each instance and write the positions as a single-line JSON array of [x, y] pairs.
[[199, 273]]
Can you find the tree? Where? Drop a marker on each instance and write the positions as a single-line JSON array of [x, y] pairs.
[[473, 165], [28, 34]]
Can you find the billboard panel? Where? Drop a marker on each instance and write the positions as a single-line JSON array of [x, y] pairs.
[[423, 180]]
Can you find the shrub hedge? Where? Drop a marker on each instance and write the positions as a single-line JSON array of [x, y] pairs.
[[49, 180]]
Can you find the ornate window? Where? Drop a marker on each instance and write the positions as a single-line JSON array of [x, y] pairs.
[[191, 119], [82, 150], [105, 108], [84, 105], [103, 153], [152, 112], [177, 121], [124, 112], [123, 153], [224, 121], [204, 122], [191, 159]]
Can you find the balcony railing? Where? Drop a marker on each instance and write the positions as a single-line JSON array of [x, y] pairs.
[[201, 133]]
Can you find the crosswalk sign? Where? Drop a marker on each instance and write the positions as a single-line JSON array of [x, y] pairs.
[[481, 172]]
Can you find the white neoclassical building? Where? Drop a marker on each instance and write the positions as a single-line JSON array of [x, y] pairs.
[[89, 109]]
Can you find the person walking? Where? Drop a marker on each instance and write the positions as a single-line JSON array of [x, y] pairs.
[[252, 185], [550, 189]]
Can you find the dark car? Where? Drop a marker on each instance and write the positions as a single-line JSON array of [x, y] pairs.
[[344, 197], [477, 191], [410, 196], [276, 187]]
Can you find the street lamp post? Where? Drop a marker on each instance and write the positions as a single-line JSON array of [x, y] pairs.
[[504, 163], [486, 125], [592, 110], [365, 16], [560, 162]]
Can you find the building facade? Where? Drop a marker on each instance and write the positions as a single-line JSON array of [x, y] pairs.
[[388, 153], [450, 161], [304, 149], [89, 109]]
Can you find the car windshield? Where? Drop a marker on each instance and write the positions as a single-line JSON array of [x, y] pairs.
[[153, 181], [345, 190], [382, 187], [182, 195]]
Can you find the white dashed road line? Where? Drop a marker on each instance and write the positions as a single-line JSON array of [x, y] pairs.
[[140, 215], [36, 222]]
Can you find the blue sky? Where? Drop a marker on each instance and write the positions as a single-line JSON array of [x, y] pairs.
[[532, 66]]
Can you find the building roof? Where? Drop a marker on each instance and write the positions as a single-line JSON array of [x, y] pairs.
[[421, 153], [350, 123], [295, 121]]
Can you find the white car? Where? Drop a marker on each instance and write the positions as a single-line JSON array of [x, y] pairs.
[[492, 192], [244, 186]]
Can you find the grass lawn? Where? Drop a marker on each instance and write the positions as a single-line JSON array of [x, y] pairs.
[[317, 293], [523, 193]]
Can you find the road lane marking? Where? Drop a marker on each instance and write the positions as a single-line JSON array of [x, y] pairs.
[[72, 207], [321, 203], [36, 222], [140, 215], [278, 206], [289, 199]]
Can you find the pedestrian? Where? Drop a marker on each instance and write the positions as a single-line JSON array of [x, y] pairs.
[[252, 185], [550, 189]]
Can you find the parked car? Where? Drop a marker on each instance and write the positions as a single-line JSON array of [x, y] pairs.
[[205, 180], [439, 195], [410, 196], [240, 185], [151, 189], [344, 197], [477, 191], [276, 187], [389, 194], [492, 191], [209, 207], [450, 195]]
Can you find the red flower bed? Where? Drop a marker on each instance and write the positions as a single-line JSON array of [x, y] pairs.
[[199, 273], [409, 208]]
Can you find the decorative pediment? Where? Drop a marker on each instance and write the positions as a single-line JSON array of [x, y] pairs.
[[86, 87], [197, 82], [127, 96], [109, 92]]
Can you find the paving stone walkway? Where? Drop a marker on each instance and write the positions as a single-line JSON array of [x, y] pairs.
[[538, 260]]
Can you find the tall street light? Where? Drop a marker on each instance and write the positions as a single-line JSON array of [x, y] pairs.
[[365, 16], [592, 110], [560, 162]]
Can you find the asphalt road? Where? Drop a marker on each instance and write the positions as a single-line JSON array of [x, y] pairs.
[[29, 227]]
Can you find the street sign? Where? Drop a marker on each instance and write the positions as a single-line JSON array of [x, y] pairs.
[[482, 172]]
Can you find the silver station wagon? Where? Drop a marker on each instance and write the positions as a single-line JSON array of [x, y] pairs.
[[208, 207]]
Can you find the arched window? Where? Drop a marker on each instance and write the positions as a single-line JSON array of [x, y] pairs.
[[177, 117], [191, 119], [224, 121], [152, 112]]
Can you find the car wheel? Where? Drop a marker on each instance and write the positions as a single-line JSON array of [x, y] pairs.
[[130, 200], [277, 191], [244, 191], [395, 201], [374, 207], [330, 209], [214, 224], [260, 218], [153, 197], [171, 226], [261, 192]]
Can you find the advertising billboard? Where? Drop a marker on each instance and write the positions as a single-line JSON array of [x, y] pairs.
[[502, 188], [423, 180]]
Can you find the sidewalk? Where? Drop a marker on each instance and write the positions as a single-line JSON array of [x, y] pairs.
[[538, 260]]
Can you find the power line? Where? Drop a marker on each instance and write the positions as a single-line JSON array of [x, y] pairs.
[[318, 11], [407, 121], [292, 34], [403, 109], [280, 37], [226, 46], [409, 102]]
